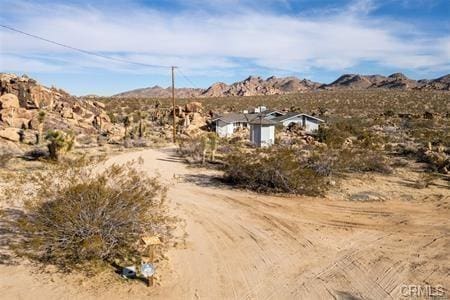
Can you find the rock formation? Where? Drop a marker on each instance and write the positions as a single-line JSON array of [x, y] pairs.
[[254, 86], [27, 108]]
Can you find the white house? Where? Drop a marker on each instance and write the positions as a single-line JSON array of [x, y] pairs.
[[262, 132], [226, 124], [310, 123]]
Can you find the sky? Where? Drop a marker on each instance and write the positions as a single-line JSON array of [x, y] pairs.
[[221, 40]]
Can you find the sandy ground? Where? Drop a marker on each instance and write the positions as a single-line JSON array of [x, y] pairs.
[[240, 245]]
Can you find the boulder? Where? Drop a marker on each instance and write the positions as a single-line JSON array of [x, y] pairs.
[[67, 113], [197, 120], [77, 109], [41, 97], [18, 123], [28, 136], [99, 104], [193, 107], [10, 133], [16, 117], [34, 123], [9, 101], [101, 121], [24, 113]]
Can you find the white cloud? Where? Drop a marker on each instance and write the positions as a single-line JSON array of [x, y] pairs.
[[205, 42]]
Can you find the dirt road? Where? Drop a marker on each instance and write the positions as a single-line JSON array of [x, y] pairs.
[[240, 245]]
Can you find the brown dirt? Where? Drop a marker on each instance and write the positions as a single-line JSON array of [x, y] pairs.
[[241, 245]]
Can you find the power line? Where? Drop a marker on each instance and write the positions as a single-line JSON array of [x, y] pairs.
[[187, 79], [84, 51]]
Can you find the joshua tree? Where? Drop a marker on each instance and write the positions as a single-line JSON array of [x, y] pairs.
[[213, 145], [41, 119], [204, 147], [141, 128], [126, 124], [59, 141]]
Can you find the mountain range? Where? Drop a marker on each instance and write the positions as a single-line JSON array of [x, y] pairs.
[[255, 85]]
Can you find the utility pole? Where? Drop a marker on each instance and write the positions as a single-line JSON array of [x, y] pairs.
[[173, 105]]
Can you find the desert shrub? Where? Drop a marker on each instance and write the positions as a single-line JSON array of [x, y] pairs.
[[83, 217], [357, 160], [436, 161], [5, 158], [192, 148], [196, 149], [424, 180], [279, 170], [322, 163]]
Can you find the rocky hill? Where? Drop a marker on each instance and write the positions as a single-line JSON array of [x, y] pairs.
[[28, 108], [441, 83], [255, 85], [356, 81], [159, 92]]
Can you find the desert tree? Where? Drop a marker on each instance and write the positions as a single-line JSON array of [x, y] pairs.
[[212, 143], [126, 125], [59, 141], [141, 126], [40, 119]]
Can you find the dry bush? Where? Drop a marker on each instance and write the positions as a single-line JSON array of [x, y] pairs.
[[279, 170], [192, 148], [424, 180], [436, 161], [197, 149], [5, 158], [81, 217], [359, 160]]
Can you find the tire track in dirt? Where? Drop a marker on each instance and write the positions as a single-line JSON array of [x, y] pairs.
[[240, 245]]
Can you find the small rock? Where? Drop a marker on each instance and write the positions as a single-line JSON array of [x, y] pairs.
[[10, 133], [366, 196]]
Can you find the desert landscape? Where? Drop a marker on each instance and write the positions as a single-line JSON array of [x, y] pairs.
[[230, 149], [366, 227]]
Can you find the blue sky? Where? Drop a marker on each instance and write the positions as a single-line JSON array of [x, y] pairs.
[[222, 40]]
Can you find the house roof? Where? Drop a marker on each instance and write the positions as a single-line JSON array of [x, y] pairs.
[[270, 111], [312, 117], [231, 117], [287, 116], [258, 121], [291, 115]]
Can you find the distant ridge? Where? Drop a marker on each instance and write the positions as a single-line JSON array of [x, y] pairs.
[[255, 85]]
